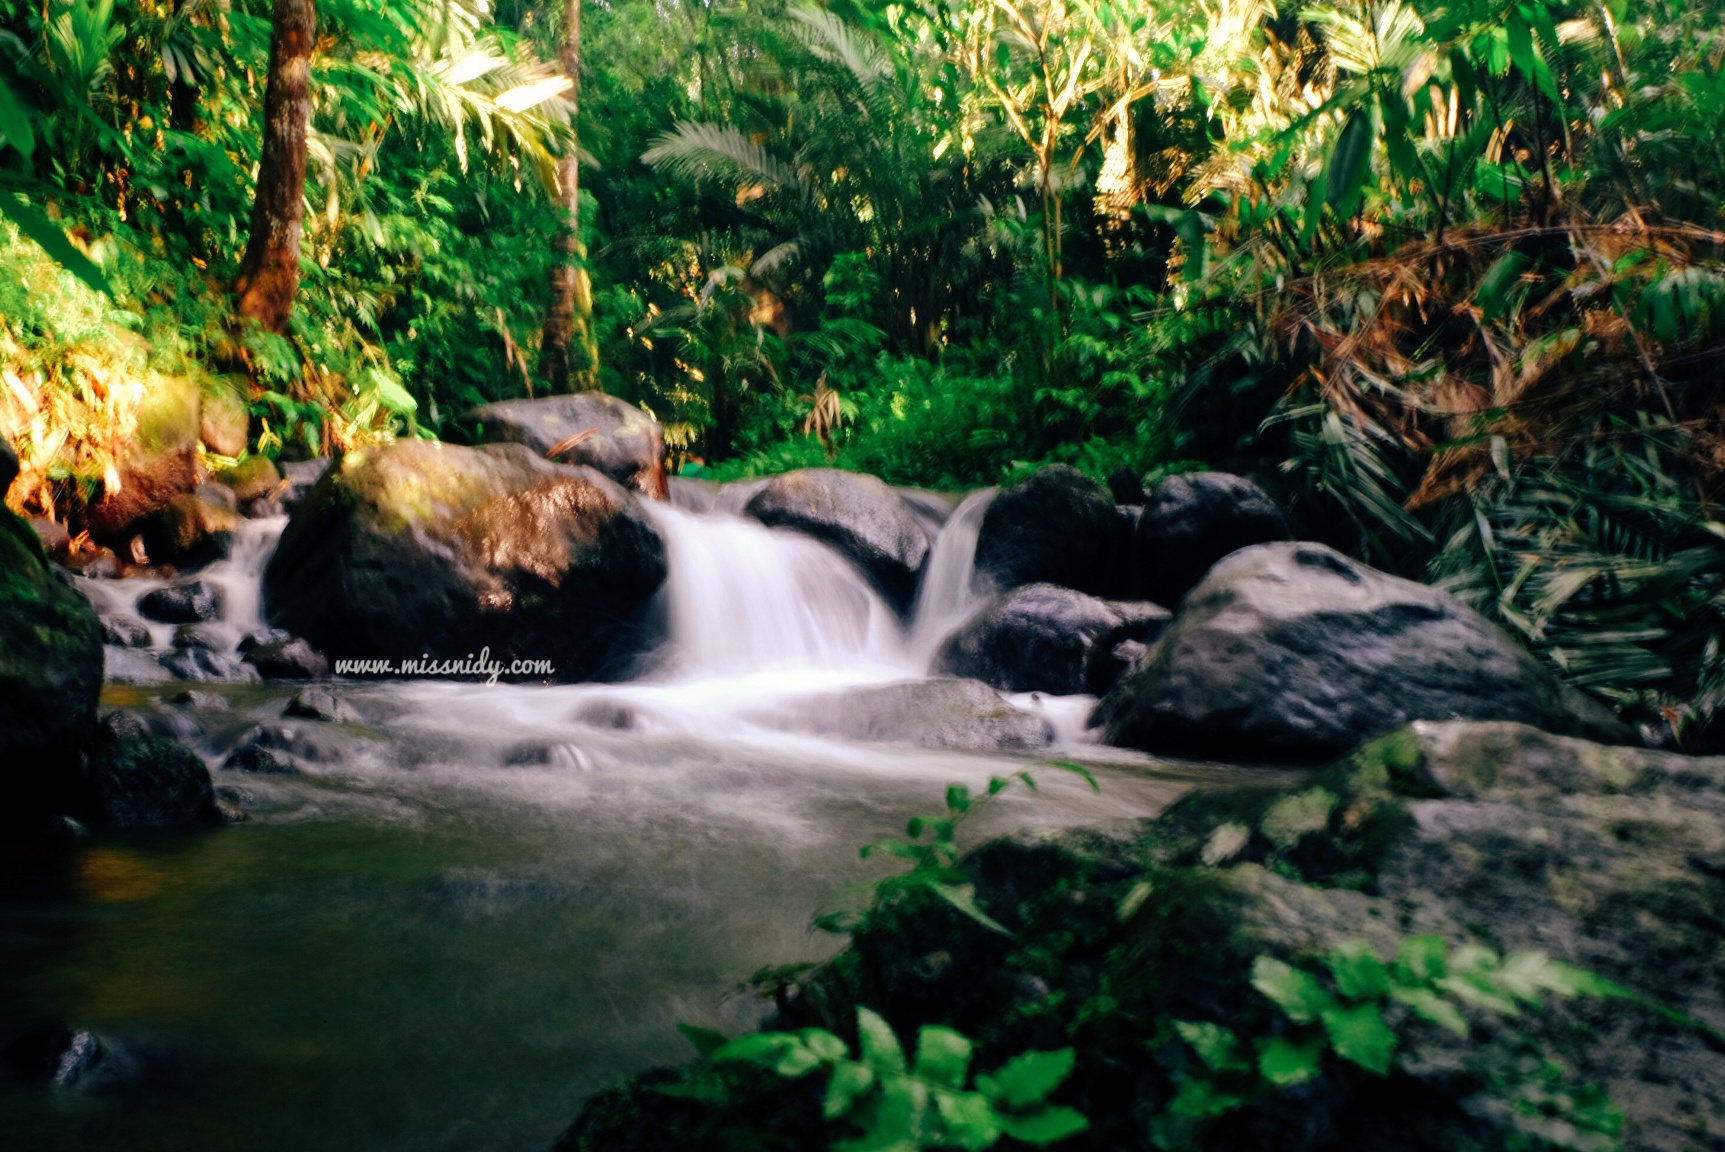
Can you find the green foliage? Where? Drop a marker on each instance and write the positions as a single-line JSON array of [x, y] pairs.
[[894, 1103], [1351, 1008]]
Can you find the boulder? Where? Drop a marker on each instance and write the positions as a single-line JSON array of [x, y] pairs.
[[1293, 652], [56, 540], [1057, 527], [943, 713], [1190, 522], [252, 479], [8, 467], [321, 704], [132, 666], [50, 676], [153, 782], [860, 516], [290, 659], [421, 548], [299, 477], [125, 631], [194, 528], [1042, 638], [591, 428], [189, 602], [224, 418], [158, 464]]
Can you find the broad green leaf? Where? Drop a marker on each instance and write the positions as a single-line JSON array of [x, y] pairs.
[[783, 1053], [1201, 1098], [1285, 1062], [705, 1040], [850, 1083], [1428, 1005], [1293, 991], [1351, 162], [1359, 974], [823, 1044], [1421, 960], [15, 121], [963, 897], [957, 798], [1358, 1033], [942, 1056], [969, 1121], [1028, 1079], [1496, 292], [1218, 1047], [392, 395], [1048, 1126], [880, 1047]]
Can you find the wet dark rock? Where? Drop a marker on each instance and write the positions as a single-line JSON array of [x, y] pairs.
[[298, 479], [202, 665], [547, 754], [307, 742], [1107, 667], [206, 636], [292, 659], [1190, 522], [424, 548], [1293, 652], [260, 760], [125, 631], [125, 724], [1057, 527], [263, 636], [132, 666], [56, 541], [592, 428], [51, 659], [193, 528], [8, 466], [1036, 638], [155, 782], [859, 515], [1125, 486], [939, 713], [320, 704], [190, 602], [70, 1060]]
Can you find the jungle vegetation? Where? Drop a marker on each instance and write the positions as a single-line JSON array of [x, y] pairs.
[[1446, 274]]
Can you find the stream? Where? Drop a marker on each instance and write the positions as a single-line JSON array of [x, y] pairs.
[[478, 903]]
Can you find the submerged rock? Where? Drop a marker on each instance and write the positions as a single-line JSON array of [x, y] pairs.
[[1192, 521], [940, 713], [859, 515], [50, 676], [153, 782], [1042, 638], [320, 704], [1293, 652], [590, 428], [1057, 527], [420, 548]]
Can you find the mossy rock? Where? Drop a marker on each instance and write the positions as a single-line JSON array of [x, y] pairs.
[[160, 462], [50, 675]]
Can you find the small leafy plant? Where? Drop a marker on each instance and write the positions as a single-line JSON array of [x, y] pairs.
[[1346, 1010], [931, 847], [895, 1105]]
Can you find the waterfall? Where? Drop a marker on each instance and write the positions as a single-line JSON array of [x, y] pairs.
[[945, 597], [743, 598]]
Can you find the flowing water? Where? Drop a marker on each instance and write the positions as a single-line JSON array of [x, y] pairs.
[[478, 903]]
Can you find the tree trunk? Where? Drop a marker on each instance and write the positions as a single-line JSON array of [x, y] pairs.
[[269, 276], [568, 354]]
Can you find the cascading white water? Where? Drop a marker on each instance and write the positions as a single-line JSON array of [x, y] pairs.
[[742, 598], [946, 596]]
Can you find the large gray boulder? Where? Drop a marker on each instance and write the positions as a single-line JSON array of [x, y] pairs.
[[1057, 527], [593, 428], [426, 548], [1189, 523], [859, 515], [1044, 638], [1293, 652], [50, 676], [942, 713]]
